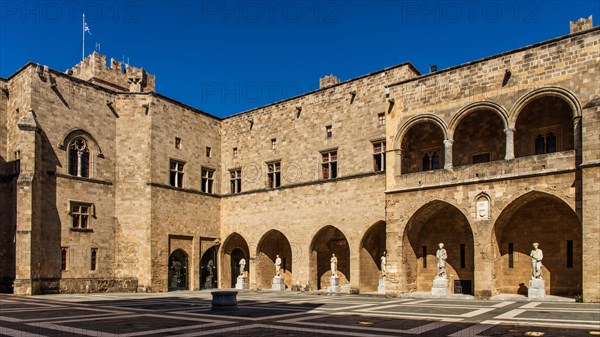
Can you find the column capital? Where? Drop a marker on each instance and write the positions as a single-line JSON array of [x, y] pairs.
[[509, 130], [448, 142]]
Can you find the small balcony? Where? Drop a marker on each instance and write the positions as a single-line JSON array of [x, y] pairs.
[[501, 169]]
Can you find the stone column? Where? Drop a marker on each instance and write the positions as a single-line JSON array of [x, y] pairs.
[[28, 207], [448, 154], [510, 143], [397, 162], [577, 139]]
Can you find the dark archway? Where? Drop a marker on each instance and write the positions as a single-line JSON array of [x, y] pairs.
[[545, 219], [372, 247], [439, 222], [273, 243], [544, 125], [423, 148], [208, 269], [178, 271], [234, 248], [329, 240], [478, 138]]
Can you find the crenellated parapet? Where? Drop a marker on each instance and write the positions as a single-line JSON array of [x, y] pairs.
[[115, 75]]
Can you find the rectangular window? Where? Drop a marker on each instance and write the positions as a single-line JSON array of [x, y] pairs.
[[274, 144], [379, 156], [329, 131], [64, 258], [177, 143], [329, 165], [207, 180], [176, 175], [80, 215], [424, 256], [93, 258], [235, 180], [208, 151], [569, 253], [235, 152], [274, 174], [463, 257], [481, 158], [511, 255], [381, 118]]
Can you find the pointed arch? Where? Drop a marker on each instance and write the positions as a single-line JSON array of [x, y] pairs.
[[564, 94], [466, 110], [229, 259], [272, 244], [372, 247], [416, 120], [77, 132], [326, 241], [549, 220]]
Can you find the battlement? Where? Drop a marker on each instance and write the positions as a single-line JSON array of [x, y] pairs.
[[328, 81], [114, 76], [581, 25]]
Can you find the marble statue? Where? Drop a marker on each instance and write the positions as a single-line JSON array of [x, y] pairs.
[[278, 266], [333, 262], [536, 261], [383, 267], [242, 266], [441, 257]]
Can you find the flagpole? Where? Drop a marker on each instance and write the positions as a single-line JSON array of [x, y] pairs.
[[83, 38]]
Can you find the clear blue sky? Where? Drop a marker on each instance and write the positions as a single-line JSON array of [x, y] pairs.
[[225, 57]]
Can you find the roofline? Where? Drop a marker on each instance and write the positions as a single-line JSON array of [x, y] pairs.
[[408, 64], [520, 49]]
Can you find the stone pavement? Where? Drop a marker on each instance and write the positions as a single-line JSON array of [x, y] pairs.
[[288, 314]]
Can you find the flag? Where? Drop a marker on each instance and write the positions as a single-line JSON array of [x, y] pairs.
[[86, 28]]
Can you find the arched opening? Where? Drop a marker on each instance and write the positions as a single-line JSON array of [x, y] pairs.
[[423, 148], [372, 247], [549, 221], [208, 269], [178, 271], [434, 223], [329, 240], [234, 249], [479, 138], [273, 243], [544, 125]]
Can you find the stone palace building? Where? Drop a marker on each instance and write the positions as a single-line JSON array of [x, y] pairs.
[[106, 185]]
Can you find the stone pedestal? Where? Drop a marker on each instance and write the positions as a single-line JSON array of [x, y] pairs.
[[242, 282], [537, 288], [381, 288], [278, 283], [440, 287], [334, 282]]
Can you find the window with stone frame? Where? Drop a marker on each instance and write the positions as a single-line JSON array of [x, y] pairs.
[[79, 157], [93, 259], [329, 165], [381, 118], [274, 174], [64, 258], [176, 173], [207, 180], [81, 214], [379, 156], [328, 131], [430, 159], [547, 140], [235, 181]]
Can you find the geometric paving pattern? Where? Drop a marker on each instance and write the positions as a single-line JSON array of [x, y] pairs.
[[288, 314]]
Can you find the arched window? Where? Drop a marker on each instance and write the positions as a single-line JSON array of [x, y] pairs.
[[551, 143], [426, 162], [540, 145], [435, 161], [79, 157]]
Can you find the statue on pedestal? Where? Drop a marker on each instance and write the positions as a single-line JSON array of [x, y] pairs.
[[383, 267], [242, 266], [441, 257], [277, 266], [536, 261], [333, 263]]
